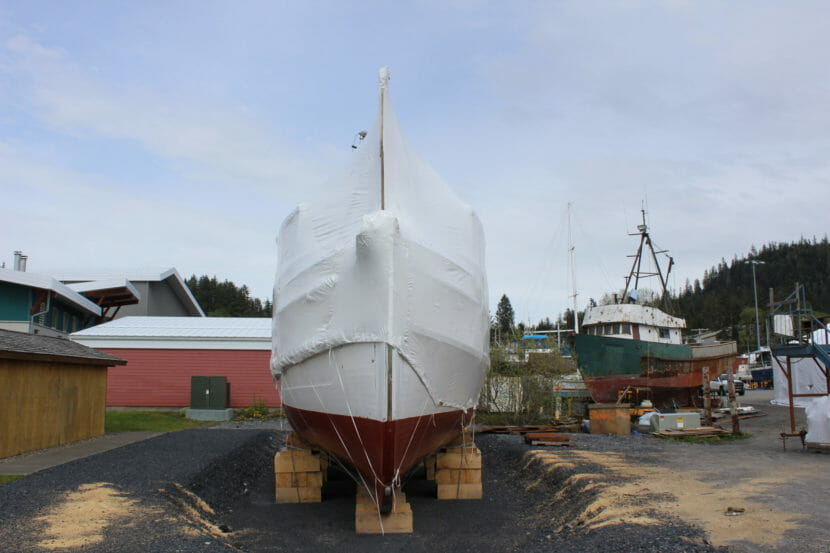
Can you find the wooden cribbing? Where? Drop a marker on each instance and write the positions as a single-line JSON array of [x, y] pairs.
[[458, 473], [429, 465], [299, 475], [368, 520]]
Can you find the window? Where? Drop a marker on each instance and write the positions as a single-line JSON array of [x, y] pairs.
[[625, 328], [664, 332]]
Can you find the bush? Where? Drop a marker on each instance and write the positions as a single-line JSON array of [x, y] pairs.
[[257, 410]]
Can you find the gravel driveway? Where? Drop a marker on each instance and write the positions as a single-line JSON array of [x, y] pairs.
[[604, 493]]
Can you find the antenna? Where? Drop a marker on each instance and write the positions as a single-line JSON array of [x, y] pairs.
[[636, 273]]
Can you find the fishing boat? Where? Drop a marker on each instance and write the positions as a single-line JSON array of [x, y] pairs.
[[628, 350], [760, 367], [381, 326]]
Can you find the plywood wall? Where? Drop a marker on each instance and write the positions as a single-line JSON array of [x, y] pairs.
[[48, 404]]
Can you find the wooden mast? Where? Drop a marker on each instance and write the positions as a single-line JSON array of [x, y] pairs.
[[383, 75]]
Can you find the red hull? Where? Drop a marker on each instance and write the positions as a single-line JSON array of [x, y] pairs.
[[681, 389], [382, 452], [668, 392]]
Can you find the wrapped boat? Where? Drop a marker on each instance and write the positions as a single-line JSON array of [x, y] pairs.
[[380, 313]]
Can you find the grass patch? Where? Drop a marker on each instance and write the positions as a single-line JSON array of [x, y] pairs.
[[6, 478], [150, 421], [710, 439]]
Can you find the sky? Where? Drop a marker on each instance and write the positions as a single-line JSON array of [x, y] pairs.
[[158, 134]]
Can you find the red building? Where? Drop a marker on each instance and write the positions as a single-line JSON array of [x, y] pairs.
[[162, 354]]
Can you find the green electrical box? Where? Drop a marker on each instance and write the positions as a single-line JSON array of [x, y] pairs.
[[209, 392]]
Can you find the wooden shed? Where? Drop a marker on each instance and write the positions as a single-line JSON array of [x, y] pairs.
[[52, 391]]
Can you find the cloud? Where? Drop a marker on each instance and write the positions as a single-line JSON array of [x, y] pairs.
[[228, 143], [57, 216]]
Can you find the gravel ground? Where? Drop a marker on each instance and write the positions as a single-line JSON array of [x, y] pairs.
[[144, 520], [230, 468]]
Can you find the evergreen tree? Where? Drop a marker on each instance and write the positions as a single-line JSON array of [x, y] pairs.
[[504, 316], [226, 299], [725, 297]]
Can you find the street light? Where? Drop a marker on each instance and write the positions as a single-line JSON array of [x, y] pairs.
[[755, 292]]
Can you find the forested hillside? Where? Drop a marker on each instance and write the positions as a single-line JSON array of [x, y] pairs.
[[723, 299], [226, 299]]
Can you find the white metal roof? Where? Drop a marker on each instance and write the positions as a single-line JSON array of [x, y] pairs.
[[631, 313], [179, 333], [45, 282]]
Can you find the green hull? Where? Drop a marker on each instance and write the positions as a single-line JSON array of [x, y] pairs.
[[606, 356], [667, 371]]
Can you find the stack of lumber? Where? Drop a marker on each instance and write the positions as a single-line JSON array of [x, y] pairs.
[[547, 438], [682, 432], [565, 426], [299, 472], [458, 473], [368, 520]]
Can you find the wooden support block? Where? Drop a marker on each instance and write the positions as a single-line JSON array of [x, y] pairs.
[[455, 476], [299, 479], [296, 461], [459, 458], [299, 476], [368, 520], [429, 464], [460, 491], [464, 438], [294, 440], [311, 494]]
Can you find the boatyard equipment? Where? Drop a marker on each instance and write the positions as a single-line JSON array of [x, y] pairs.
[[610, 418], [800, 348], [675, 421]]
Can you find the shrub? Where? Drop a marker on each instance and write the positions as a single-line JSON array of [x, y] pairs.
[[257, 410]]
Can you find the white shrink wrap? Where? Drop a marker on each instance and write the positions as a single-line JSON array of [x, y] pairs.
[[807, 375], [389, 256], [818, 421]]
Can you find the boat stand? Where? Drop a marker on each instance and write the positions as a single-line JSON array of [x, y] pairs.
[[369, 520], [457, 471], [299, 471]]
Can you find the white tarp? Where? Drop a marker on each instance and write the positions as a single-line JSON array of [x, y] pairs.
[[783, 325], [808, 378], [818, 421], [411, 275]]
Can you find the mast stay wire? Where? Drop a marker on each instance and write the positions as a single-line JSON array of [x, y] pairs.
[[538, 284], [592, 257]]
